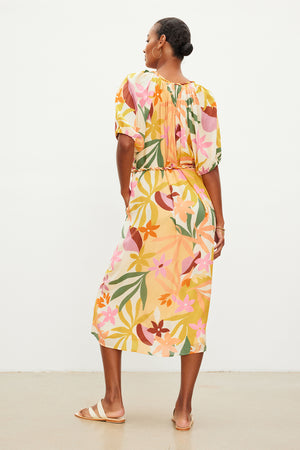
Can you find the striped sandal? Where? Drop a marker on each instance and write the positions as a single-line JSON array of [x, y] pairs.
[[102, 416]]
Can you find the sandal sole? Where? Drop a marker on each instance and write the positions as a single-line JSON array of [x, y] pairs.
[[100, 420]]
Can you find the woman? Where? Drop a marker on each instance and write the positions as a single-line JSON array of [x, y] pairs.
[[154, 297]]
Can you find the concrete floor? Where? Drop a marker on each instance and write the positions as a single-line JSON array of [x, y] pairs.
[[232, 410]]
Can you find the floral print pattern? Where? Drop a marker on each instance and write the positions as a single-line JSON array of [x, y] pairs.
[[155, 295]]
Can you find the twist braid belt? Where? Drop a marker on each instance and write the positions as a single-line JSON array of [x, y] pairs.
[[170, 167]]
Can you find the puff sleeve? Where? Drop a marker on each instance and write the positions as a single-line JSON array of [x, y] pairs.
[[207, 142], [127, 112]]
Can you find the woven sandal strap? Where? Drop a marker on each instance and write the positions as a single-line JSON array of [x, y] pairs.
[[101, 410]]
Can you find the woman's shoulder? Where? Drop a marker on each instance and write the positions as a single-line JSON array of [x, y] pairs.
[[136, 79], [205, 95], [140, 76]]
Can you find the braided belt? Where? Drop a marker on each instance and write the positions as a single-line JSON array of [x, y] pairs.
[[170, 167]]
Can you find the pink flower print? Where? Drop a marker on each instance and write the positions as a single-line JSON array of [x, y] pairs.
[[201, 145], [133, 185], [166, 134], [115, 257], [144, 94], [104, 284], [200, 191], [182, 135], [130, 134], [203, 170], [200, 327], [160, 266], [109, 315], [184, 305], [204, 263], [181, 175]]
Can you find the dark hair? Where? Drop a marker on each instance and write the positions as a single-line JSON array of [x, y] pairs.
[[177, 34]]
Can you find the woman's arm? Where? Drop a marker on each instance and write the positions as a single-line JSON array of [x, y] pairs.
[[212, 183], [125, 156]]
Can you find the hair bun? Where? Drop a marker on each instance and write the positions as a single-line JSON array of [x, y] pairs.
[[187, 48]]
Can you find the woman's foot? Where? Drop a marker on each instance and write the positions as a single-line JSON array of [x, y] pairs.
[[112, 409], [182, 417]]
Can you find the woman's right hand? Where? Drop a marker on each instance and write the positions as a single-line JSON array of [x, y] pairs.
[[220, 242]]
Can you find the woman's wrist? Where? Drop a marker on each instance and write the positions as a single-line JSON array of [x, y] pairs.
[[220, 222]]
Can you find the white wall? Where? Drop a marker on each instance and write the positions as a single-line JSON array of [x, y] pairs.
[[62, 213]]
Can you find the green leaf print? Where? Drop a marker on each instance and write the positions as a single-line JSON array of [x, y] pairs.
[[123, 289], [143, 292], [190, 123], [129, 296], [200, 214], [160, 159], [95, 334], [138, 284], [186, 348], [191, 116], [180, 228], [188, 222], [213, 216], [123, 232], [155, 152], [127, 275], [145, 112], [174, 98]]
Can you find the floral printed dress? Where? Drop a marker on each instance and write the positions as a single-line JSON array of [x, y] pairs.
[[155, 295]]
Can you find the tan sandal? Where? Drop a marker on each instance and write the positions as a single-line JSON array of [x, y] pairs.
[[183, 428], [102, 416]]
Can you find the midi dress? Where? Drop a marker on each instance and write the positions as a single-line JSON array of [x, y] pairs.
[[155, 295]]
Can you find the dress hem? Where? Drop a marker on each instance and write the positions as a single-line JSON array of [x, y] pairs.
[[149, 353]]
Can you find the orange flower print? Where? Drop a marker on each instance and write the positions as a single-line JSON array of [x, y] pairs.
[[186, 281], [182, 207], [165, 300], [202, 233], [157, 94], [103, 300], [102, 335], [166, 344], [148, 229], [119, 97]]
